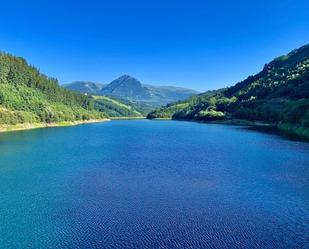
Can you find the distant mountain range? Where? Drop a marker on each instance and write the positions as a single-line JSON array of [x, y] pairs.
[[128, 88]]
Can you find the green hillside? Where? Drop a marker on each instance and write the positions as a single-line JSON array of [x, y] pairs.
[[27, 96], [279, 94], [117, 108]]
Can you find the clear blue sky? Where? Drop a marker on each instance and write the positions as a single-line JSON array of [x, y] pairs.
[[198, 44]]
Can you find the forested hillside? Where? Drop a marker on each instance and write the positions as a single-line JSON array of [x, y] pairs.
[[116, 108], [27, 96], [279, 94]]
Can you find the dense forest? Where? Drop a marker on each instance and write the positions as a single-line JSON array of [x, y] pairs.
[[28, 96], [279, 94]]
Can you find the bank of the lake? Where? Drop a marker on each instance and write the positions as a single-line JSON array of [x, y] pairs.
[[30, 126], [127, 118], [290, 130], [295, 129]]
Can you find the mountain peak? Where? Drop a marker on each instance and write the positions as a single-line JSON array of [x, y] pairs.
[[126, 76], [125, 86], [127, 80]]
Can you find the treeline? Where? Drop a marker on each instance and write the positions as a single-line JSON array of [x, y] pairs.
[[26, 95]]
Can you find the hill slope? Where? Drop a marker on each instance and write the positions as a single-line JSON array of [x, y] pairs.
[[84, 87], [278, 94], [129, 88], [116, 108], [27, 96]]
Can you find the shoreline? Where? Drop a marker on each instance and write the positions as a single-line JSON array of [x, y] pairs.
[[126, 118], [29, 126], [165, 119], [284, 129], [290, 130], [243, 122], [295, 130], [225, 122]]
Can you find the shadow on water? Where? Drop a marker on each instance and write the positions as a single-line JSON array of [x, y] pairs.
[[273, 130], [266, 129]]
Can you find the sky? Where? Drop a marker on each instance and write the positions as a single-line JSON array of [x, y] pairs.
[[196, 44]]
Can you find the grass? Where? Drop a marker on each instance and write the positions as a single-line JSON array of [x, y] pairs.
[[113, 101]]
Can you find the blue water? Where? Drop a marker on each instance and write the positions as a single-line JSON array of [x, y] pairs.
[[153, 184]]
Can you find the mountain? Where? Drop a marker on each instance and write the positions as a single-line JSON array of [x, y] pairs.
[[27, 96], [84, 87], [279, 94], [111, 105], [128, 88]]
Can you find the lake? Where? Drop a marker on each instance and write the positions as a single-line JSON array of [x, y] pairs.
[[153, 184]]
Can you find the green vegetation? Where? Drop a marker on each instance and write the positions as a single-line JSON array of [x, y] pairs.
[[167, 111], [296, 129], [279, 94], [116, 108], [187, 109], [27, 96]]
